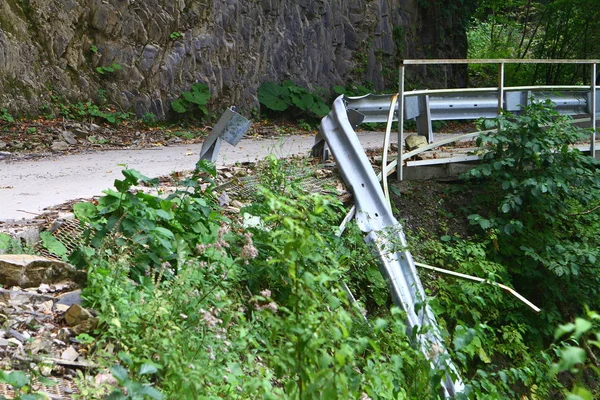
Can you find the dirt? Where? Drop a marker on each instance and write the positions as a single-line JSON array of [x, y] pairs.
[[30, 139], [435, 208]]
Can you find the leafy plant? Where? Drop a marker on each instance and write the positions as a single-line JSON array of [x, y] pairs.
[[175, 35], [577, 356], [94, 49], [109, 69], [352, 90], [5, 115], [131, 389], [21, 384], [194, 101], [8, 244], [168, 229], [289, 96], [149, 118], [540, 197]]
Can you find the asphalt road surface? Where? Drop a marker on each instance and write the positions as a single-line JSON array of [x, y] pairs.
[[27, 187]]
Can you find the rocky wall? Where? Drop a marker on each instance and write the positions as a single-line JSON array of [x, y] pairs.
[[51, 50]]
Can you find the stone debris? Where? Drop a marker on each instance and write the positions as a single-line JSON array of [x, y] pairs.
[[70, 354], [415, 141], [34, 322], [59, 145], [69, 137], [25, 270]]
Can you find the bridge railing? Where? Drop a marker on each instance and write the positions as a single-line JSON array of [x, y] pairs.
[[472, 103]]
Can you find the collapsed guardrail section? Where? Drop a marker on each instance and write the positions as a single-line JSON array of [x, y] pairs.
[[375, 218]]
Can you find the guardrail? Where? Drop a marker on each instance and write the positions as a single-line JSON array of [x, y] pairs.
[[506, 98], [375, 218]]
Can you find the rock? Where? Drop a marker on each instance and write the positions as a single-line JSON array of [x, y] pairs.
[[415, 141], [61, 307], [38, 345], [231, 45], [81, 133], [27, 270], [223, 199], [64, 334], [59, 146], [45, 307], [19, 297], [69, 137], [4, 155], [3, 145], [86, 326], [77, 314], [70, 298], [17, 335], [70, 354], [31, 236]]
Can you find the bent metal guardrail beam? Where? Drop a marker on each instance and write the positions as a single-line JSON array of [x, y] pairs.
[[375, 218]]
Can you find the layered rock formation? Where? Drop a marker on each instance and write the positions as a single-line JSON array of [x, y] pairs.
[[54, 51]]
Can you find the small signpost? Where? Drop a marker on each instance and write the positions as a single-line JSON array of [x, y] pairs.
[[231, 128]]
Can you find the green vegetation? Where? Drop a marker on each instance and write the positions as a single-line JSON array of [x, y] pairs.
[[520, 29], [193, 102], [5, 115], [289, 97], [21, 384], [109, 69], [257, 310]]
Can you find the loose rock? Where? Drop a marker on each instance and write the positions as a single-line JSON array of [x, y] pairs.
[[27, 270], [415, 141], [70, 354], [60, 146], [76, 315], [69, 137]]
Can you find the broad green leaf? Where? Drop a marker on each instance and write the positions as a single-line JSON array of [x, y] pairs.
[[570, 357], [146, 369], [581, 327], [16, 379], [85, 210], [116, 395], [53, 245], [179, 106], [120, 373], [151, 392], [273, 96], [5, 241]]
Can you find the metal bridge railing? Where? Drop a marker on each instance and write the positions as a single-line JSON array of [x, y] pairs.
[[472, 103]]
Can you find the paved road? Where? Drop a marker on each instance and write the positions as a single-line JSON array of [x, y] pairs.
[[30, 186]]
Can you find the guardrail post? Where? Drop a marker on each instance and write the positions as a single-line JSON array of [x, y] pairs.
[[424, 119], [500, 87], [593, 111], [400, 121]]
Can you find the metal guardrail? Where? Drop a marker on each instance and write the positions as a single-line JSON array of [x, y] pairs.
[[500, 92], [373, 214], [463, 104], [375, 218]]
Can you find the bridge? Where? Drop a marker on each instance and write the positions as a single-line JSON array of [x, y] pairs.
[[372, 210]]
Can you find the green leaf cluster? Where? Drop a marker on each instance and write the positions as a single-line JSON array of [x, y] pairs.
[[109, 69], [290, 97], [6, 116], [194, 101], [156, 230], [540, 200]]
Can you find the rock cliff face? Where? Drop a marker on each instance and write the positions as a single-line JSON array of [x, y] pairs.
[[54, 50]]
